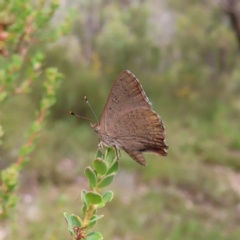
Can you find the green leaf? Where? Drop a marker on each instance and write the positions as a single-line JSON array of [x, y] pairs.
[[93, 221], [76, 221], [96, 217], [68, 219], [83, 197], [114, 167], [110, 155], [13, 200], [94, 198], [100, 166], [99, 154], [91, 225], [94, 236], [92, 178], [84, 208], [106, 181], [107, 196], [72, 221], [100, 205]]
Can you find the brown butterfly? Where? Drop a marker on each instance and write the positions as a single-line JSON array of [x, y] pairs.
[[128, 121]]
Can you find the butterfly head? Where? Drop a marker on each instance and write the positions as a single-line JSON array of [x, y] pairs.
[[95, 127]]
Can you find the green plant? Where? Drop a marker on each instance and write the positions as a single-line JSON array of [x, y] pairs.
[[100, 176]]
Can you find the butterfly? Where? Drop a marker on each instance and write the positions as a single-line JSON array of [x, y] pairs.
[[128, 121]]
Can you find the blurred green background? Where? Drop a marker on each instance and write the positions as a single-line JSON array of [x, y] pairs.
[[187, 58]]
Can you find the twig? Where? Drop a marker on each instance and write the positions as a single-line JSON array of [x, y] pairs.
[[27, 31], [32, 136], [230, 8]]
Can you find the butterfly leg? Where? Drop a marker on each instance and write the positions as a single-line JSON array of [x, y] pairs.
[[118, 153], [101, 148]]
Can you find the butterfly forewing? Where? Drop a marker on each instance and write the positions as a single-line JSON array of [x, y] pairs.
[[126, 93]]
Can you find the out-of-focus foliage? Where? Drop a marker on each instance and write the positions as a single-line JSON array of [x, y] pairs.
[[186, 57], [205, 53], [20, 23]]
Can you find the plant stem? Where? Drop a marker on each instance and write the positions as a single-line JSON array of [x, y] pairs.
[[88, 215]]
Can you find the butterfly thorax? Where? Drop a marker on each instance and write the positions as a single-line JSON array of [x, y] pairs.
[[105, 138]]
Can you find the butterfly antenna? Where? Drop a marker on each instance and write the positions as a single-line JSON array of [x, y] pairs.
[[86, 100], [90, 120]]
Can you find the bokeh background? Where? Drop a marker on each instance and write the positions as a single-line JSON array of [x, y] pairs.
[[186, 54]]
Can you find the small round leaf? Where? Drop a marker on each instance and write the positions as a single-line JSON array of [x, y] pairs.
[[106, 181], [92, 178], [76, 221], [100, 205], [100, 166], [72, 221], [107, 196], [94, 198], [94, 236], [110, 155], [114, 167]]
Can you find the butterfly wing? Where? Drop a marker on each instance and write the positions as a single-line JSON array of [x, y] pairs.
[[140, 130], [126, 93]]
